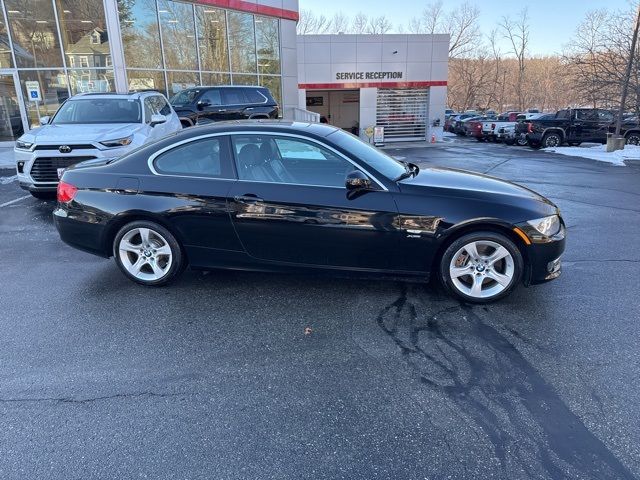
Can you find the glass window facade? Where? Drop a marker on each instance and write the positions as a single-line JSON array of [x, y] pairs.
[[167, 45]]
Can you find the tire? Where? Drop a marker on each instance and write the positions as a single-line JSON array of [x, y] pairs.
[[552, 140], [521, 142], [496, 280], [44, 195], [633, 138], [141, 261]]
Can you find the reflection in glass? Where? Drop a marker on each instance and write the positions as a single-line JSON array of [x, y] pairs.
[[212, 38], [34, 33], [178, 35], [53, 88], [10, 120], [180, 80], [242, 46], [245, 79], [84, 33], [213, 79], [93, 80], [268, 42], [140, 34], [5, 49], [145, 80], [274, 84]]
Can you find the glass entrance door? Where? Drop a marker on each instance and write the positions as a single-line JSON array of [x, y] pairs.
[[11, 124]]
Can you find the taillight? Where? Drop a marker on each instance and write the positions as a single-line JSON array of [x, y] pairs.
[[529, 127], [66, 192]]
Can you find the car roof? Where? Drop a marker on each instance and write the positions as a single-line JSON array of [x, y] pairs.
[[128, 95]]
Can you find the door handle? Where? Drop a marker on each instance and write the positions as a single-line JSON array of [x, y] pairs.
[[222, 110], [248, 198]]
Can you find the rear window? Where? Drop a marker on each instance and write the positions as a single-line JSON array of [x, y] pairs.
[[233, 96], [201, 158]]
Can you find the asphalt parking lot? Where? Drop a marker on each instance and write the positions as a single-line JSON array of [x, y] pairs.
[[234, 375]]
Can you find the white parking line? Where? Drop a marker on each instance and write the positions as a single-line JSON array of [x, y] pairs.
[[10, 202]]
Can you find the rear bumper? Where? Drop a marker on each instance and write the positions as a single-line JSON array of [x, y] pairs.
[[80, 231]]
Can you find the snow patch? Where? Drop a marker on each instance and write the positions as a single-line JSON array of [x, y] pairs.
[[599, 153]]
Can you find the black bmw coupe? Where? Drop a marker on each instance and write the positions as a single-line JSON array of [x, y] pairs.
[[280, 196]]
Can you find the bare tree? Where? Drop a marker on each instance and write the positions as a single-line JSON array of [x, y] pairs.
[[309, 23], [340, 23], [360, 22], [460, 23], [378, 25], [627, 73], [517, 33]]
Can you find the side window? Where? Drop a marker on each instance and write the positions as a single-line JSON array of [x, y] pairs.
[[233, 96], [273, 159], [605, 116], [254, 96], [149, 110], [200, 158], [161, 105], [587, 115], [212, 97]]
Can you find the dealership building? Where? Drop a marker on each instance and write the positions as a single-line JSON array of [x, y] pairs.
[[52, 49]]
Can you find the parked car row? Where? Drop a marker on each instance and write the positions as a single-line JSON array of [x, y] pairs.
[[93, 126], [545, 130]]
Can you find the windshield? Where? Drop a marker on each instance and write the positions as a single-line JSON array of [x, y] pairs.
[[369, 154], [184, 97], [98, 110]]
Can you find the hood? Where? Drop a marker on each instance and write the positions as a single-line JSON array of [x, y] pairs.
[[81, 133], [461, 183]]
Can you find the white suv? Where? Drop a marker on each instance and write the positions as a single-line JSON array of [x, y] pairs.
[[90, 126]]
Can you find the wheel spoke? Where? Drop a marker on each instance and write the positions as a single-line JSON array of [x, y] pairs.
[[144, 235], [156, 269], [472, 250], [499, 254], [499, 277], [134, 268], [127, 246], [476, 288], [456, 272], [163, 250]]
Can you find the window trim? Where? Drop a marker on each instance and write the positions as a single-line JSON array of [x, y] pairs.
[[254, 132]]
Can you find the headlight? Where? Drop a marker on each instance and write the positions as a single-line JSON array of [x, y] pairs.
[[22, 145], [547, 226], [118, 142]]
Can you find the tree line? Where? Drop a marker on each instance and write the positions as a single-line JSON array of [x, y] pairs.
[[495, 70]]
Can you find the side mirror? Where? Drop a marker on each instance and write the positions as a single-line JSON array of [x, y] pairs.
[[202, 103], [157, 119], [357, 180], [45, 120]]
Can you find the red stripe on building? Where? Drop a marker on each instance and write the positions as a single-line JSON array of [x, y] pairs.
[[252, 7], [342, 86]]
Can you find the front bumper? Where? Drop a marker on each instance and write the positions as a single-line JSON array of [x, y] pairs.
[[37, 169], [545, 263]]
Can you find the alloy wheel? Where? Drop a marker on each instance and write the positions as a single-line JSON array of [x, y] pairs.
[[482, 269], [633, 139], [145, 254], [552, 141]]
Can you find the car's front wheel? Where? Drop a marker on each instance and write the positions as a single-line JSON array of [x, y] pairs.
[[633, 138], [148, 253], [481, 267]]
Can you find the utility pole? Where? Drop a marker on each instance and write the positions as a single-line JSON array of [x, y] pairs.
[[627, 75]]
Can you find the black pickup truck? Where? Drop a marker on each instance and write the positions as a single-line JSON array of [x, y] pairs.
[[577, 125]]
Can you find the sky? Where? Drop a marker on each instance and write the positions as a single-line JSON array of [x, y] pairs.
[[552, 22]]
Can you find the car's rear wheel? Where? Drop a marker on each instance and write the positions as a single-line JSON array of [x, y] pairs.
[[522, 141], [481, 267], [148, 253], [552, 140], [633, 139]]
